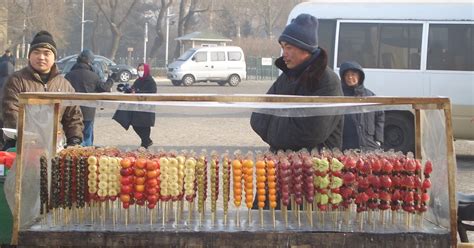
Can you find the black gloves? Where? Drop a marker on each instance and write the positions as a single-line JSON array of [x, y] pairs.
[[73, 141], [125, 88]]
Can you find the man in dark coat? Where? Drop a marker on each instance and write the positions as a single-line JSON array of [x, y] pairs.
[[305, 73], [362, 130], [8, 56], [6, 69], [84, 79]]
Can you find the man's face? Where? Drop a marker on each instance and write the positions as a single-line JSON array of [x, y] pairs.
[[42, 59], [293, 56]]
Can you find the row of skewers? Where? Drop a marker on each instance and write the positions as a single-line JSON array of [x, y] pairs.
[[305, 182]]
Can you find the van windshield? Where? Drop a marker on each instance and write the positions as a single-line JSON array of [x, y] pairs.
[[186, 55]]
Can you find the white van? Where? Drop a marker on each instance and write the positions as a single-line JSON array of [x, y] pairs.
[[221, 64]]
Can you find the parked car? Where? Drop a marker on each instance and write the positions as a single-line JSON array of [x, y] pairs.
[[221, 64], [119, 72]]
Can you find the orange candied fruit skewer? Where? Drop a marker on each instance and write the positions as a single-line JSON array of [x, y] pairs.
[[271, 180], [261, 178], [248, 179], [237, 181]]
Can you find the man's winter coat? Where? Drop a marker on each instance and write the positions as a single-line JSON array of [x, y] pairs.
[[362, 130], [83, 79], [28, 80], [6, 69], [295, 133]]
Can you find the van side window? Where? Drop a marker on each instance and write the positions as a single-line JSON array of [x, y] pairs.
[[217, 56], [201, 57], [327, 37], [234, 56], [450, 47], [380, 45]]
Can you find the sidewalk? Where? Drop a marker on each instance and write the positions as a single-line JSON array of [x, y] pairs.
[[464, 147]]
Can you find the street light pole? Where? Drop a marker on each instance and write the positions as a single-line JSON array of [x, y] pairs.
[[168, 16], [145, 41], [23, 52], [82, 26]]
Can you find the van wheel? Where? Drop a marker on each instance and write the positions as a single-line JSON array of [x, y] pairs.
[[188, 80], [399, 131], [222, 83], [176, 82], [234, 80]]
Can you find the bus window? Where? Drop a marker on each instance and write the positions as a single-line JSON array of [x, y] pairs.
[[450, 47], [381, 45], [326, 35]]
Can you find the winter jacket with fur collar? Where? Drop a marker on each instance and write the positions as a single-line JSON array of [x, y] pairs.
[[296, 133]]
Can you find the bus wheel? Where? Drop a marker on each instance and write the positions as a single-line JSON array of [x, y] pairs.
[[399, 131]]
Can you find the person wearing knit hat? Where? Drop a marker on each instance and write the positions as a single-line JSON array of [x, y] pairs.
[[43, 39], [302, 32], [41, 75], [84, 78], [304, 72]]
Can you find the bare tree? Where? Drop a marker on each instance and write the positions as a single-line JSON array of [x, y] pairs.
[[233, 15], [28, 17], [187, 11], [115, 13], [159, 37]]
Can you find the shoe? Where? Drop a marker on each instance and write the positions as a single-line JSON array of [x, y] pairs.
[[150, 143]]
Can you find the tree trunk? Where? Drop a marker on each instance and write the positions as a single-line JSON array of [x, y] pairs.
[[116, 35]]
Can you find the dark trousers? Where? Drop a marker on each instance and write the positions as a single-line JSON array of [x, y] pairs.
[[144, 134]]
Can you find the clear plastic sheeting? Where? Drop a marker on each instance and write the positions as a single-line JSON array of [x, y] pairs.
[[433, 145], [39, 123], [272, 108], [37, 140]]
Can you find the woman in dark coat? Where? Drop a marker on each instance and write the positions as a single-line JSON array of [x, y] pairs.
[[140, 121], [362, 130]]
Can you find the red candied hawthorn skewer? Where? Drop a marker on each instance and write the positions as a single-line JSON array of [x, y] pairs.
[[385, 187], [347, 190], [375, 185], [362, 186], [425, 197]]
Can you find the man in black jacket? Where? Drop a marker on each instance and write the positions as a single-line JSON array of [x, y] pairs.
[[305, 73], [8, 56], [84, 79]]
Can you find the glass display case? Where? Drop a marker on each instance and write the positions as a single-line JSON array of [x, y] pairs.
[[216, 129]]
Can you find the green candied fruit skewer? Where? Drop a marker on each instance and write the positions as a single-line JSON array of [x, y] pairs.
[[324, 182], [336, 165], [323, 165], [336, 198], [336, 182]]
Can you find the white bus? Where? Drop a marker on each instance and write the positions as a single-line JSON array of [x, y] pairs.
[[407, 49]]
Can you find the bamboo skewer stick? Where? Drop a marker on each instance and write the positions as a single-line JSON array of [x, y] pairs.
[[238, 217], [298, 215], [273, 217], [249, 217]]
